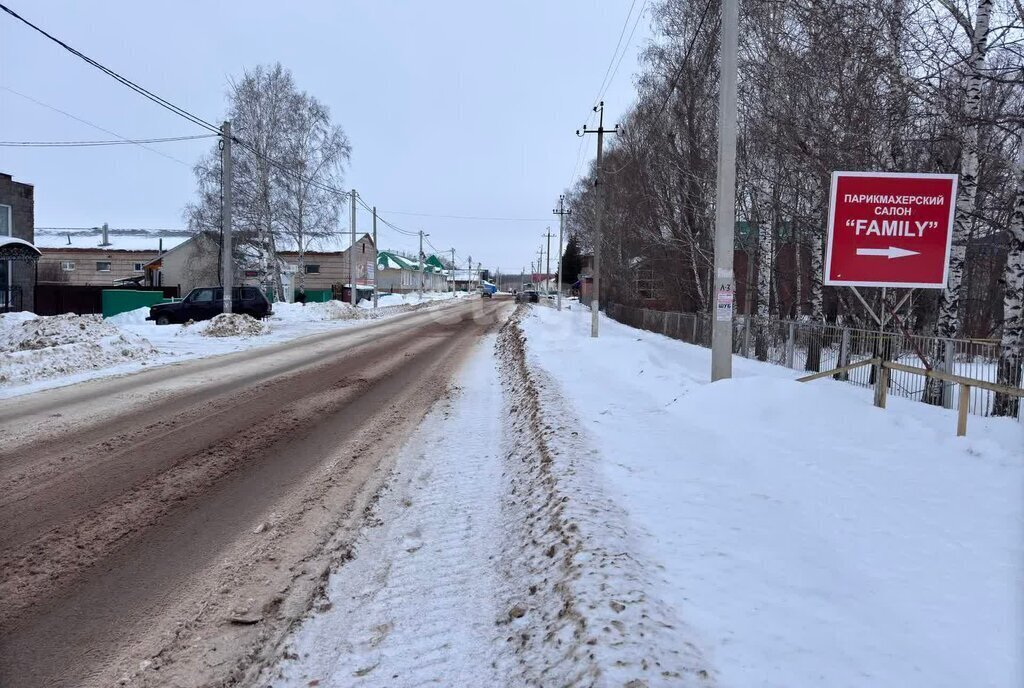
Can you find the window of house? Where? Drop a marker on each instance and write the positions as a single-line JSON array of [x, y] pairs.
[[67, 265], [102, 266], [137, 267], [312, 269]]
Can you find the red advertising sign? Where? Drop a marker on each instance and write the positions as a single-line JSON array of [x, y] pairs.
[[890, 229]]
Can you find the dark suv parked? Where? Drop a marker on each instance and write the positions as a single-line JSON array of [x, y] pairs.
[[204, 303]]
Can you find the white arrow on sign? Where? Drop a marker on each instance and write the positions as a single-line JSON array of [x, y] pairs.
[[891, 252]]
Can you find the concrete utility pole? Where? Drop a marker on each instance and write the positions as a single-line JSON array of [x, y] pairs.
[[227, 264], [725, 205], [547, 265], [423, 264], [353, 297], [540, 262], [453, 272], [469, 274], [561, 212], [600, 131], [374, 256]]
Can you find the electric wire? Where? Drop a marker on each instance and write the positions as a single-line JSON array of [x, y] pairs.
[[90, 124], [84, 144], [166, 104], [466, 217]]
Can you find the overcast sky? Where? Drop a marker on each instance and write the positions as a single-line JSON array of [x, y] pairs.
[[453, 108]]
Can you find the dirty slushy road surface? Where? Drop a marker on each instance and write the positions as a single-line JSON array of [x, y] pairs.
[[182, 518]]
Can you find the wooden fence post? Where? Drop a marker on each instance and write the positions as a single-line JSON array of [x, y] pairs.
[[790, 345], [844, 354], [963, 406], [746, 336], [881, 384], [947, 367]]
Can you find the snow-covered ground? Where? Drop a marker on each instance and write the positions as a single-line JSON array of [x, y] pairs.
[[611, 519], [418, 603], [42, 352], [805, 537]]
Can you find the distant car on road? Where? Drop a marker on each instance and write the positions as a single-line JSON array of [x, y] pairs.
[[203, 303], [485, 293], [528, 296]]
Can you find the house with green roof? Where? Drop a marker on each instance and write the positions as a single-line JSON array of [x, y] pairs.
[[400, 274]]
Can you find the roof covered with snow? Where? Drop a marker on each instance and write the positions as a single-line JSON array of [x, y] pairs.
[[118, 239], [389, 260], [335, 243]]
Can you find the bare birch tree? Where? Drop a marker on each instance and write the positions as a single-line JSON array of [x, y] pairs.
[[287, 165]]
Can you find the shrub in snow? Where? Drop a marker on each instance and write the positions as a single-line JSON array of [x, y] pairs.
[[233, 325]]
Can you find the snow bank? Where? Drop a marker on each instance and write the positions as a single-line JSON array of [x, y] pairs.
[[34, 347], [232, 325], [327, 310], [806, 537], [135, 317], [411, 299]]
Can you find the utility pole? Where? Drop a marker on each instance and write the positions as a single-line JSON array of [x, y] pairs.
[[540, 262], [561, 212], [469, 274], [227, 264], [374, 256], [423, 263], [725, 205], [547, 266], [522, 278], [453, 272], [352, 248], [600, 131]]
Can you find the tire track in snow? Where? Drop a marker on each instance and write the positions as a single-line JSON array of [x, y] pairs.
[[416, 605]]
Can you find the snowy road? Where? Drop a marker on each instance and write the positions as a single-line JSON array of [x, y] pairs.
[[418, 604], [184, 515]]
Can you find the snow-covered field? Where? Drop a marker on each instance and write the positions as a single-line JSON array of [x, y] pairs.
[[42, 352], [805, 537]]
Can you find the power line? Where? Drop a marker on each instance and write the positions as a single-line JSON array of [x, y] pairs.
[[466, 217], [600, 89], [671, 89], [181, 112], [686, 58], [607, 81], [83, 144], [90, 124], [629, 42]]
